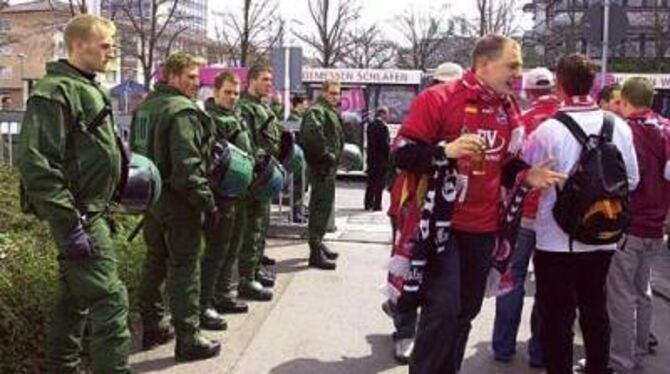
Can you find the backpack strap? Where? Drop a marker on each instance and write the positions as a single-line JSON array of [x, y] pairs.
[[99, 118], [607, 131], [574, 128]]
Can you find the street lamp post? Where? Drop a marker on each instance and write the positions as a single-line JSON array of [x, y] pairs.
[[606, 35]]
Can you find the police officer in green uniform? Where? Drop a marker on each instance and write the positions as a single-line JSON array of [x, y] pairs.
[[223, 243], [299, 105], [265, 136], [178, 137], [322, 138], [71, 164]]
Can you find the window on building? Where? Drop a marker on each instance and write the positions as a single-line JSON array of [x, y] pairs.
[[633, 48], [6, 50], [649, 49], [633, 3], [5, 25], [5, 72]]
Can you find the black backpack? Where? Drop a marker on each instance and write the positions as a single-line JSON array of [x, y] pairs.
[[593, 205]]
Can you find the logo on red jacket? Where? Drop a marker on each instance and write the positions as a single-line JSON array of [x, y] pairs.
[[494, 143]]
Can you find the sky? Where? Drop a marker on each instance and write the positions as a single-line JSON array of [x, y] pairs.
[[380, 12]]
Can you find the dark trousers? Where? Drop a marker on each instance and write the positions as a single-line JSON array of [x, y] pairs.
[[453, 295], [567, 282], [375, 187]]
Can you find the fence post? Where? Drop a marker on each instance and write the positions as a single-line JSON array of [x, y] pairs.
[[2, 141], [10, 135]]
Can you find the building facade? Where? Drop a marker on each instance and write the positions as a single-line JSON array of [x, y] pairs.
[[557, 29], [31, 34]]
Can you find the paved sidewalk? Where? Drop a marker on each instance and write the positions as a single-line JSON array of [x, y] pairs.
[[324, 322], [661, 275]]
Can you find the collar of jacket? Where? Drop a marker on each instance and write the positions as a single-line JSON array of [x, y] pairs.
[[251, 97], [164, 88], [322, 101], [546, 100], [211, 105], [579, 103], [483, 91], [644, 117], [63, 67]]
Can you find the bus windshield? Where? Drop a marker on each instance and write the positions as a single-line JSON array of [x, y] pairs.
[[395, 97]]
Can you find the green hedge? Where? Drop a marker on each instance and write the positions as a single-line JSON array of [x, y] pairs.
[[28, 273]]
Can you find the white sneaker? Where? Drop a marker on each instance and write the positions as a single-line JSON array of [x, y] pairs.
[[402, 350]]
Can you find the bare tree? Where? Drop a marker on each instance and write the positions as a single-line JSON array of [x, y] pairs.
[[562, 29], [368, 50], [493, 16], [152, 26], [661, 30], [77, 7], [245, 36], [331, 21], [423, 34]]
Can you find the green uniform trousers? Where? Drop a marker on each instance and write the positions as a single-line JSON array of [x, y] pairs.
[[90, 288], [172, 239], [219, 251], [224, 289], [253, 245], [321, 203], [298, 187]]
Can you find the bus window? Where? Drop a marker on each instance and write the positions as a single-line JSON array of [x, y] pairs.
[[662, 103], [397, 99]]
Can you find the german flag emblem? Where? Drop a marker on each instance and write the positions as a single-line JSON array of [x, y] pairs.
[[471, 109]]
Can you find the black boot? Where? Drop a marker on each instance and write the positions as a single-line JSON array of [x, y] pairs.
[[155, 334], [196, 348], [318, 259], [299, 215], [268, 272], [266, 280], [331, 255], [229, 306], [267, 261], [210, 319], [253, 290]]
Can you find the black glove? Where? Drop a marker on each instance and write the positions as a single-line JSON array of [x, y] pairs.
[[78, 245], [211, 218], [219, 160], [285, 145]]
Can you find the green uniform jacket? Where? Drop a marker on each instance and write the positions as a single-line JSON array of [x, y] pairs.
[[229, 126], [177, 135], [262, 123], [321, 133], [67, 168]]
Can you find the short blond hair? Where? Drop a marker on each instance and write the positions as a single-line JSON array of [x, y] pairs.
[[223, 77], [327, 84], [490, 47], [84, 26], [639, 91], [177, 62]]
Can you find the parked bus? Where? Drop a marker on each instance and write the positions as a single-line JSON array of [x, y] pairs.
[[365, 90]]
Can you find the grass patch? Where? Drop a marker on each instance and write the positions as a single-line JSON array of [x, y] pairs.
[[28, 278]]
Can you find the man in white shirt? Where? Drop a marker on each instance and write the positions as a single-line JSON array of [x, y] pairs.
[[571, 275]]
